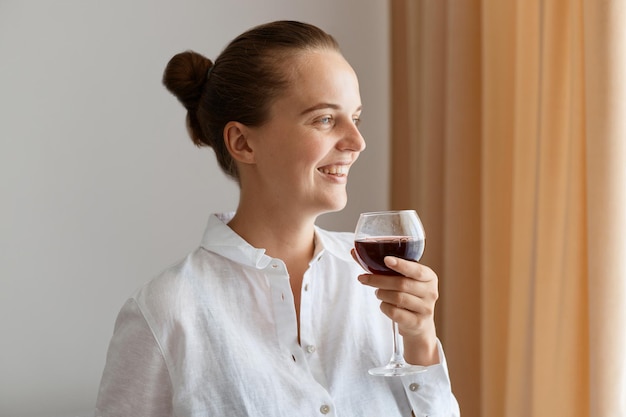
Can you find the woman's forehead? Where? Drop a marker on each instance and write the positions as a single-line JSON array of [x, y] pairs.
[[320, 75]]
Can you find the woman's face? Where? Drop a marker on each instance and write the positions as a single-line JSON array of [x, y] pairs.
[[304, 151]]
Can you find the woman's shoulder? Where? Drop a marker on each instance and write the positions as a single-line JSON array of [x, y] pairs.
[[172, 288]]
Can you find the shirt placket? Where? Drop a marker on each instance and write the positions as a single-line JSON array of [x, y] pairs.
[[308, 338], [304, 355], [283, 307]]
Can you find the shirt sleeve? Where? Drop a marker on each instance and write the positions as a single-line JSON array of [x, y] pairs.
[[430, 393], [135, 381]]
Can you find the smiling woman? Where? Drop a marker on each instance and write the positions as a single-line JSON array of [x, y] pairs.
[[280, 106], [100, 187]]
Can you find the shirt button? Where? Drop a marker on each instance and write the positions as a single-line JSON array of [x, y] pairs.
[[325, 409], [414, 387], [306, 287], [310, 349]]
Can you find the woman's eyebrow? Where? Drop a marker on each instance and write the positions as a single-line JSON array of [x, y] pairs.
[[325, 106], [320, 106]]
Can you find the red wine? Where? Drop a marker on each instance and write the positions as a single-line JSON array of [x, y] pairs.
[[372, 251]]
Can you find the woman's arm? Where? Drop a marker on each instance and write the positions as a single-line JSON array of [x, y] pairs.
[[135, 381]]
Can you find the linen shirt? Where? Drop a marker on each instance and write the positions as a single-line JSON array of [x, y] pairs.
[[216, 335]]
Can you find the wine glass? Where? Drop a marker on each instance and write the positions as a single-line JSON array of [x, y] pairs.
[[397, 233]]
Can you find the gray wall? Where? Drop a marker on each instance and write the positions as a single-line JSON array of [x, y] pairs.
[[100, 187]]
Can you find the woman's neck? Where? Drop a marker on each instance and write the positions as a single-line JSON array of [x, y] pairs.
[[290, 238]]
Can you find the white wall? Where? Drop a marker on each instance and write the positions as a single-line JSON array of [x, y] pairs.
[[100, 187]]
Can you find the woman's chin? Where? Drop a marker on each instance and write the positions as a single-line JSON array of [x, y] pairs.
[[337, 205]]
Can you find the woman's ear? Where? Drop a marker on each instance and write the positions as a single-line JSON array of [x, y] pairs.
[[236, 140]]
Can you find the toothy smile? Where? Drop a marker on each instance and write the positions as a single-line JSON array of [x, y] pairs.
[[338, 170]]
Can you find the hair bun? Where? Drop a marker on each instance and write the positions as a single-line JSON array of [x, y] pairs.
[[185, 75]]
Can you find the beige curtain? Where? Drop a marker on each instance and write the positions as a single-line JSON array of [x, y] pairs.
[[509, 138]]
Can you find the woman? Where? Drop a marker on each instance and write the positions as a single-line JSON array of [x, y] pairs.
[[267, 317]]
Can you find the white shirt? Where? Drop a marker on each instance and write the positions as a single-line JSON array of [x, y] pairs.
[[216, 335]]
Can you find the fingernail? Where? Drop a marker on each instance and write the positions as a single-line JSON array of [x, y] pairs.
[[391, 261], [363, 278]]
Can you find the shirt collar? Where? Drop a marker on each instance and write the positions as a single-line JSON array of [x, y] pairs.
[[333, 243], [221, 239]]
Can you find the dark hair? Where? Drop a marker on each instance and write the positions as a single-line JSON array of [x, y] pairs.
[[242, 84]]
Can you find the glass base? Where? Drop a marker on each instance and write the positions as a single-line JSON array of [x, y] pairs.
[[397, 369]]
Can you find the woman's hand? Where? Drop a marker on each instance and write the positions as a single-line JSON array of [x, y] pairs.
[[409, 300]]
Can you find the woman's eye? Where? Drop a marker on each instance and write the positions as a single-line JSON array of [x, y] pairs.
[[356, 121], [326, 120]]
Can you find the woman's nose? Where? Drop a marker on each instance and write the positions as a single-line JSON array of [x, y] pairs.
[[352, 139]]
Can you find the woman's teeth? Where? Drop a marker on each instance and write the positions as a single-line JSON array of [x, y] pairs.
[[340, 170]]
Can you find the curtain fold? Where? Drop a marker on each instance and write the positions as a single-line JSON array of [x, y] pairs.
[[509, 138], [605, 77], [547, 329], [497, 76]]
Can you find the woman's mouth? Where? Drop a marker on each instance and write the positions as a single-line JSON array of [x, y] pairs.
[[336, 170]]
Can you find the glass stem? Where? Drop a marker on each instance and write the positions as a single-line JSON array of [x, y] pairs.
[[397, 358]]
